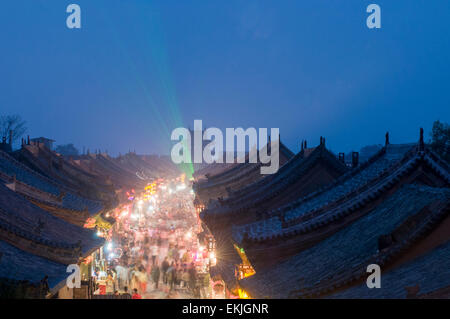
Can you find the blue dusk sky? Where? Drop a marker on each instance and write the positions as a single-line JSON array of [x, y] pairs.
[[137, 69]]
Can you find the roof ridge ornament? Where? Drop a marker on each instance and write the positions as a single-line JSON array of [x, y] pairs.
[[421, 143], [322, 141]]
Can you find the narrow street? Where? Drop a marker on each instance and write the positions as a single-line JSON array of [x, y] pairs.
[[153, 251]]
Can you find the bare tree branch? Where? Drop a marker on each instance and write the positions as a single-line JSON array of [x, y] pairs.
[[12, 123]]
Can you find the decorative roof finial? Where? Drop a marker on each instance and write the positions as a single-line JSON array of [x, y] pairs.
[[421, 143]]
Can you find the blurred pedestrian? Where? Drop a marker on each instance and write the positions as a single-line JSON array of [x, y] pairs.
[[136, 295], [126, 294], [155, 252], [164, 267], [155, 275]]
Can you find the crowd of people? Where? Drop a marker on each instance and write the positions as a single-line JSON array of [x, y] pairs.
[[153, 250]]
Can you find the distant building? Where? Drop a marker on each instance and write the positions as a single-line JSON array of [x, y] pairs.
[[48, 143]]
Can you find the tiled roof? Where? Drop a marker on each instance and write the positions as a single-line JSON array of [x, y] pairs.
[[135, 162], [392, 155], [346, 184], [238, 171], [235, 173], [212, 169], [17, 264], [67, 173], [350, 248], [12, 167], [278, 183], [430, 272], [20, 216], [113, 168], [72, 201]]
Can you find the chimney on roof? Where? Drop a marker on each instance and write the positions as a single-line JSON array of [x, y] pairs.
[[386, 143], [302, 146], [342, 157], [305, 147], [321, 140], [355, 159], [421, 142], [10, 137], [28, 139]]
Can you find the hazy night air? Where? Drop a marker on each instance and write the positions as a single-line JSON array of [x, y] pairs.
[[216, 151]]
